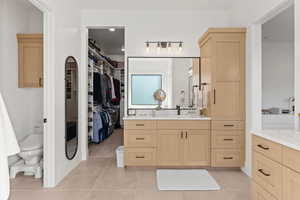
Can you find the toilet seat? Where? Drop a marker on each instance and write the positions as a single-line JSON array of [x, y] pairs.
[[32, 142]]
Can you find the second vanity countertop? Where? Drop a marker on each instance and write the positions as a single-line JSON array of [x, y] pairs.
[[167, 117], [289, 138]]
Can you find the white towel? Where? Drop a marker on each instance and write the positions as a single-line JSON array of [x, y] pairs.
[[8, 146]]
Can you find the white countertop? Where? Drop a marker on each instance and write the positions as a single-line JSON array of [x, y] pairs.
[[289, 138], [167, 117]]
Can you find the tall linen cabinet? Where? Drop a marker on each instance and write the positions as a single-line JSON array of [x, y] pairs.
[[223, 84]]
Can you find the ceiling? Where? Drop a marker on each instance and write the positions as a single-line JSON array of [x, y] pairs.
[[281, 27], [110, 43], [158, 4]]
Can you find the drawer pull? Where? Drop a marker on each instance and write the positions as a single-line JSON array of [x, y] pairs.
[[262, 147], [140, 157], [227, 139], [140, 138], [186, 135], [140, 124], [228, 125], [264, 173], [228, 158]]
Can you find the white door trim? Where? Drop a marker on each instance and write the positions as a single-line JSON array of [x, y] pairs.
[[49, 97]]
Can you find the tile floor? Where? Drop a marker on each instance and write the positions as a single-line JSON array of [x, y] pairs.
[[98, 178]]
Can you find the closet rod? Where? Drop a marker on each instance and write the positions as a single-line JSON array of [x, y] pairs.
[[101, 58]]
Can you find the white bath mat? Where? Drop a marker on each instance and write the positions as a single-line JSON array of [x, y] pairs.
[[194, 179]]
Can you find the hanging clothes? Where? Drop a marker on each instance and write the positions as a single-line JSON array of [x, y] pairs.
[[113, 93], [97, 92], [8, 146], [117, 100], [97, 126]]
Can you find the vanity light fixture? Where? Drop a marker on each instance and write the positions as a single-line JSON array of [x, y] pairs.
[[164, 45]]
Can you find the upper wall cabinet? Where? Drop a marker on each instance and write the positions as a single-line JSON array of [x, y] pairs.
[[30, 55], [223, 72]]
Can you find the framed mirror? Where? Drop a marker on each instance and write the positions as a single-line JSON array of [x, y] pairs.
[[178, 77], [71, 107]]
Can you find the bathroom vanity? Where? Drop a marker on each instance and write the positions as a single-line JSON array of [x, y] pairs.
[[182, 141], [275, 165], [215, 139]]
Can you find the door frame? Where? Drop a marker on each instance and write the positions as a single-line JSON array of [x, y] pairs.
[[83, 86], [49, 91], [254, 78]]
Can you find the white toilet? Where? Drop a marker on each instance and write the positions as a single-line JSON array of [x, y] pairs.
[[31, 153]]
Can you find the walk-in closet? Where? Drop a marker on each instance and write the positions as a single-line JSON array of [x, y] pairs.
[[105, 90]]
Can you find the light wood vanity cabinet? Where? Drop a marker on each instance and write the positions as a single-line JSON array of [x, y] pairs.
[[275, 172], [167, 143], [30, 56], [223, 72]]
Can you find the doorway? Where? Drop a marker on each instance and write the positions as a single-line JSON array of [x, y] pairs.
[[278, 69], [106, 58]]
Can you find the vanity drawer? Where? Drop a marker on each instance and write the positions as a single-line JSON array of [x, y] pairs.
[[226, 141], [267, 174], [140, 124], [226, 158], [183, 124], [228, 125], [266, 147], [258, 193], [140, 156], [291, 158], [140, 138]]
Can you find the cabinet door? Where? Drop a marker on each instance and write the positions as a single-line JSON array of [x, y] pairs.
[[228, 76], [227, 101], [260, 194], [197, 148], [30, 64], [170, 143], [291, 185]]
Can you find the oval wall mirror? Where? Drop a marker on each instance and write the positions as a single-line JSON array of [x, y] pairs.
[[71, 107]]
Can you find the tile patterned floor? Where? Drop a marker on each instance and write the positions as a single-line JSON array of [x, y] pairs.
[[98, 178]]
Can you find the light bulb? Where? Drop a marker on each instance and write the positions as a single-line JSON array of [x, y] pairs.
[[169, 46], [147, 47], [180, 46], [112, 29], [158, 47]]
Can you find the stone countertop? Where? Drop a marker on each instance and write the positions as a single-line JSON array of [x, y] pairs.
[[289, 138], [167, 117]]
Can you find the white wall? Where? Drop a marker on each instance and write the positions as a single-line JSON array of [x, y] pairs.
[[277, 74], [141, 26], [25, 106]]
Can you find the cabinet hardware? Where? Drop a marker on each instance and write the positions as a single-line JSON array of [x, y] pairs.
[[140, 157], [262, 147], [181, 135], [228, 158], [228, 125], [186, 135], [140, 124], [227, 139], [264, 173], [214, 96], [140, 138]]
